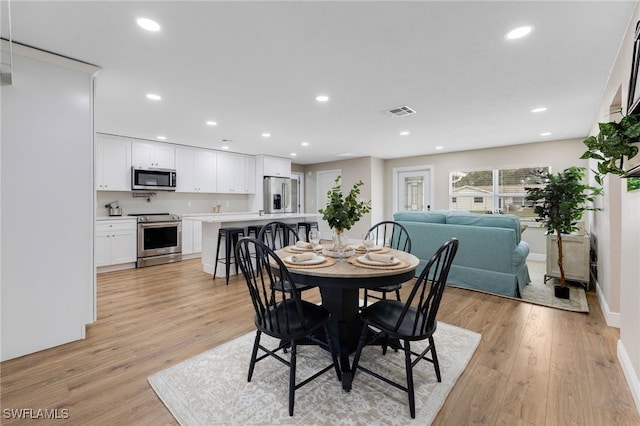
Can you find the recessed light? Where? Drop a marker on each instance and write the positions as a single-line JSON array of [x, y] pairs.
[[545, 134], [225, 147], [153, 97], [519, 32], [161, 137], [266, 135], [404, 133], [322, 98], [211, 123], [148, 24], [293, 154], [305, 144], [439, 147], [540, 109]]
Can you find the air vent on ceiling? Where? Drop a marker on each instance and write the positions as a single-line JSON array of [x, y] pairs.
[[400, 111]]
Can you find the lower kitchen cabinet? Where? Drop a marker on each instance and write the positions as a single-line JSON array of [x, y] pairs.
[[116, 242], [191, 236]]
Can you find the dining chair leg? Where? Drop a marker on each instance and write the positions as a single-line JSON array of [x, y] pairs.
[[434, 357], [254, 354], [292, 377], [356, 358], [332, 350], [408, 366]]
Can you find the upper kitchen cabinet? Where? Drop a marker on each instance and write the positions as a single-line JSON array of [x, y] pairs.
[[250, 174], [113, 164], [276, 166], [233, 172], [158, 155], [195, 170]]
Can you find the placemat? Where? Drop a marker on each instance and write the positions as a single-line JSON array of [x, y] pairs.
[[354, 261], [328, 262]]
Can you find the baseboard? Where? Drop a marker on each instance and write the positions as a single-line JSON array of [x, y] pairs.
[[537, 257], [629, 373], [612, 318]]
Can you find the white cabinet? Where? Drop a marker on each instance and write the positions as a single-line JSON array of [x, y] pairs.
[[191, 236], [276, 166], [115, 242], [195, 170], [575, 257], [157, 155], [235, 174], [250, 175], [113, 164]]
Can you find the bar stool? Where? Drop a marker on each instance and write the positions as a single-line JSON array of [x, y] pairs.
[[307, 228], [282, 235], [231, 237]]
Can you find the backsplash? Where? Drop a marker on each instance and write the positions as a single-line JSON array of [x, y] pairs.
[[171, 202]]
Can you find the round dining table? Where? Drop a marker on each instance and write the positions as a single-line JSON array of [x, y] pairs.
[[340, 283]]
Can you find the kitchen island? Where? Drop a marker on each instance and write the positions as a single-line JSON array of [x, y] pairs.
[[212, 223]]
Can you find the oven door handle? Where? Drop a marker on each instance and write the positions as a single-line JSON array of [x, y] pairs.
[[159, 224]]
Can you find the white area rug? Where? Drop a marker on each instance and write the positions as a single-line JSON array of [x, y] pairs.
[[212, 388], [542, 293]]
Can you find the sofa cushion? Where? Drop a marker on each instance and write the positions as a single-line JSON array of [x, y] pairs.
[[508, 221], [424, 217]]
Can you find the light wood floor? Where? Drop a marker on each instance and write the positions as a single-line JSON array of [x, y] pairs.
[[534, 365]]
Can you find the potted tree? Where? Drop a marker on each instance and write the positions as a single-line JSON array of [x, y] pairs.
[[559, 204], [342, 212], [614, 142]]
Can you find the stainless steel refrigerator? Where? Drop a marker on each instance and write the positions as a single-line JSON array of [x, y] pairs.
[[280, 195]]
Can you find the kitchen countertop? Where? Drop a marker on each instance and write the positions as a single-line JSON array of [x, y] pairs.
[[245, 217]]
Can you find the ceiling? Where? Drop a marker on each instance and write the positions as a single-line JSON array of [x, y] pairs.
[[256, 67]]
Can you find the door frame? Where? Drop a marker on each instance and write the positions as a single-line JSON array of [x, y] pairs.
[[429, 168], [325, 231]]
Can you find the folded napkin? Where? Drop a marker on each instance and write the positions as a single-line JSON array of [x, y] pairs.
[[304, 245], [297, 258], [382, 258]]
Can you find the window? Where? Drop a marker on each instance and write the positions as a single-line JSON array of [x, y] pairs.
[[494, 191]]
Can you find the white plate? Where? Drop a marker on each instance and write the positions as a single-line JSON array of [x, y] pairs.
[[364, 259], [296, 248], [314, 261]]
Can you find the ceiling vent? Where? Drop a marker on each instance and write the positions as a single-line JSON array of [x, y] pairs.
[[400, 111]]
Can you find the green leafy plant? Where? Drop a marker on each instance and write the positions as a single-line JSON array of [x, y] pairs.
[[613, 143], [561, 203], [343, 212]]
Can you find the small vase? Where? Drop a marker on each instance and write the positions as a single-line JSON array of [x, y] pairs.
[[339, 243]]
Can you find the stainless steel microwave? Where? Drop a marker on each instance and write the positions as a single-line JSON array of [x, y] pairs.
[[144, 178]]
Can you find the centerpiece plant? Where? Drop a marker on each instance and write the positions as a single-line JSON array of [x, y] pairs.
[[342, 212], [560, 204]]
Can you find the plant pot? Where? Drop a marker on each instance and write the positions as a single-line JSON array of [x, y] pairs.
[[561, 292]]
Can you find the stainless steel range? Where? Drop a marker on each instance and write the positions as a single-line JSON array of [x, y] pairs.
[[159, 238]]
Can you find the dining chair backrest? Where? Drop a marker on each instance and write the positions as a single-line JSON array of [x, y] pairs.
[[424, 300], [392, 234], [277, 235], [263, 276]]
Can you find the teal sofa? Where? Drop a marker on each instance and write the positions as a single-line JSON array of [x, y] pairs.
[[491, 256]]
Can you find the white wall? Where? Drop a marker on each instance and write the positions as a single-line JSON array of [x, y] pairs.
[[48, 288], [557, 154], [618, 231]]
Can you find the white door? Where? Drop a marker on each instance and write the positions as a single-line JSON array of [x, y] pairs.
[[325, 181], [412, 190]]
